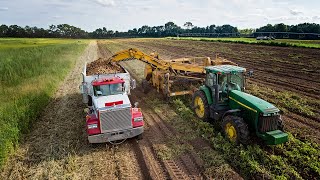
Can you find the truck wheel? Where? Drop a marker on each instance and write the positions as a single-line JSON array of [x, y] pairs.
[[200, 105], [139, 137], [145, 86], [89, 100], [235, 129]]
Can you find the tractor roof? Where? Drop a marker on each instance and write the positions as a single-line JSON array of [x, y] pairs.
[[224, 69]]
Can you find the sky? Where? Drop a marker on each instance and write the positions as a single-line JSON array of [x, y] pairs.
[[122, 15]]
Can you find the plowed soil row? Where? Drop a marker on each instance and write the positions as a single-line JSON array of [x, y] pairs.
[[279, 68]]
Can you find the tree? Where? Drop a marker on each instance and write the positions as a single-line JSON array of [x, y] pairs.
[[188, 25]]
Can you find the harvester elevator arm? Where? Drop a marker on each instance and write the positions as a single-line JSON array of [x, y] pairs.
[[132, 53]]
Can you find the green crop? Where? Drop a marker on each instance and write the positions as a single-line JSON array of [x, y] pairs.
[[30, 71]]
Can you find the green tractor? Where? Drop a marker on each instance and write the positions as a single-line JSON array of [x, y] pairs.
[[222, 98]]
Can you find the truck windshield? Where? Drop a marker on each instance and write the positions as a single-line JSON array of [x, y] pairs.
[[108, 89]]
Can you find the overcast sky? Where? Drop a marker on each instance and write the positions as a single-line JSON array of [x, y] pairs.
[[122, 15]]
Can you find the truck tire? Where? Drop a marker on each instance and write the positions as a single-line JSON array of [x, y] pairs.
[[89, 100], [140, 136], [235, 129], [145, 86], [200, 105]]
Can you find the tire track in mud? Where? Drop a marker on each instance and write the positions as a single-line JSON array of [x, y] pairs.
[[176, 168]]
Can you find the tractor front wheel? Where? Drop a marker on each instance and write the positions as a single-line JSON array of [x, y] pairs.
[[235, 129], [200, 105]]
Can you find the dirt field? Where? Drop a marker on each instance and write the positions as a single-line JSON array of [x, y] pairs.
[[57, 147]]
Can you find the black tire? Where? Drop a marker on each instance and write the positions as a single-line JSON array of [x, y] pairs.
[[203, 97], [241, 128], [140, 136], [89, 100], [145, 86]]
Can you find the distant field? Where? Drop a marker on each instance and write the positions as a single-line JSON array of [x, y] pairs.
[[277, 42], [30, 71]]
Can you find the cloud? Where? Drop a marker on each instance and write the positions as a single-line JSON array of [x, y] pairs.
[[316, 18], [105, 3], [4, 9], [294, 12], [57, 17]]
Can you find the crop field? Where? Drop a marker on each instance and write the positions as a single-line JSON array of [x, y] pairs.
[[176, 144], [31, 70], [277, 42]]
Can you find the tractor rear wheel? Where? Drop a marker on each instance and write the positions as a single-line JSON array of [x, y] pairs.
[[201, 105], [145, 86], [235, 129]]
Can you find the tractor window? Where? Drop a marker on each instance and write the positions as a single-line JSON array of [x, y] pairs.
[[211, 80], [237, 80], [222, 81]]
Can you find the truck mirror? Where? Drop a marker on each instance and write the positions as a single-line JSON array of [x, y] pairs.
[[83, 88], [133, 84], [250, 73]]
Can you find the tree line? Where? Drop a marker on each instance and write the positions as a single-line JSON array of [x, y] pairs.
[[169, 29], [299, 28]]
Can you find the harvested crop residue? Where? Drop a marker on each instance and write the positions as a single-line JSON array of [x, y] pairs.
[[101, 66]]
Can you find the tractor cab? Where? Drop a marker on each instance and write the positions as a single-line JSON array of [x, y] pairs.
[[222, 79]]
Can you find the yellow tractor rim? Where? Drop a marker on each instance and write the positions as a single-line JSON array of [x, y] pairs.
[[198, 103], [231, 131]]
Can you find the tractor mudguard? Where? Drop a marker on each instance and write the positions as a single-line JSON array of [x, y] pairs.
[[231, 111], [206, 91]]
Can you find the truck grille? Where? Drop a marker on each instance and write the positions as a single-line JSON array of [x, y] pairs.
[[115, 119], [268, 123]]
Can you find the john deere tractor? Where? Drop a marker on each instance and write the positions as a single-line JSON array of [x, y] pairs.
[[222, 98]]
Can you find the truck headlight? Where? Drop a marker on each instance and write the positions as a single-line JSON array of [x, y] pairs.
[[92, 126], [137, 119]]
